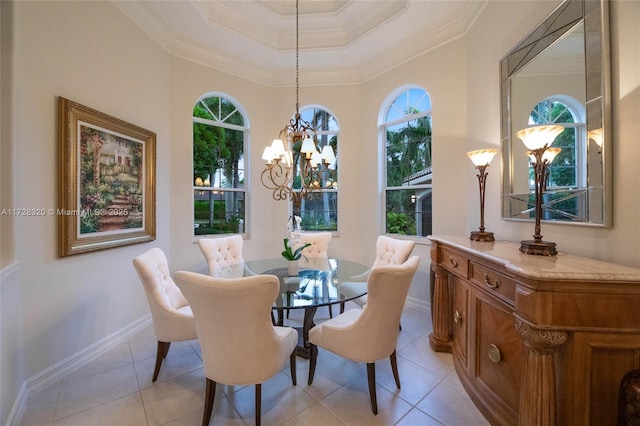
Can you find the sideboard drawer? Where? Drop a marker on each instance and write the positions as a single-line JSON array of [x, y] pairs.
[[494, 282], [454, 262]]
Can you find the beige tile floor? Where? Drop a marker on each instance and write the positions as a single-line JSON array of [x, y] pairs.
[[116, 389]]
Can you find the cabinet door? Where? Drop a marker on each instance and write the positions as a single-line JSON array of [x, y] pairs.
[[499, 356], [461, 291], [589, 371]]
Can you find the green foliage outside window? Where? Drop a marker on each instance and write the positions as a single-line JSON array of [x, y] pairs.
[[218, 163], [563, 171], [408, 164]]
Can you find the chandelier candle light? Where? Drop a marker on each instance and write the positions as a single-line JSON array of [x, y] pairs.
[[316, 167], [538, 140], [482, 158]]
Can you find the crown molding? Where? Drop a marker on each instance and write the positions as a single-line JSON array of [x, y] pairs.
[[317, 30], [320, 65]]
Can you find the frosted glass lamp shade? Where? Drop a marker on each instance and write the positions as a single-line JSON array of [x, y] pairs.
[[482, 157], [596, 135], [537, 137], [550, 154]]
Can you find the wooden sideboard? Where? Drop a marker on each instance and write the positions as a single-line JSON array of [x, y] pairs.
[[535, 340]]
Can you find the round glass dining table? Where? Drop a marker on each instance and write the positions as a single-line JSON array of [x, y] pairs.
[[317, 284]]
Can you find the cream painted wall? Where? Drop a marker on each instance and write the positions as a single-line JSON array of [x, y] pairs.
[[6, 117], [63, 306], [501, 26], [90, 53]]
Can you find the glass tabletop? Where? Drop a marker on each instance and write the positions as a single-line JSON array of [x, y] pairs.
[[317, 284]]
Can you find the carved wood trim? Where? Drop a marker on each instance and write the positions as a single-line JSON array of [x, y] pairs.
[[440, 337]]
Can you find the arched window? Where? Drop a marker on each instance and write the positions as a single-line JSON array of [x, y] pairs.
[[319, 210], [220, 132], [566, 170], [406, 138]]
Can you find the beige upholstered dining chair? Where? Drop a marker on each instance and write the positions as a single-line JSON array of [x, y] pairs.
[[370, 334], [319, 241], [222, 252], [240, 346], [170, 311], [316, 252], [389, 251]]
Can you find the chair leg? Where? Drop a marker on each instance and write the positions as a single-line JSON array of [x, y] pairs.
[[330, 312], [161, 353], [394, 368], [371, 376], [292, 367], [209, 396], [313, 356], [341, 307], [258, 403]]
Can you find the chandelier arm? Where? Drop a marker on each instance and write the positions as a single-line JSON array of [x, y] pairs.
[[275, 176]]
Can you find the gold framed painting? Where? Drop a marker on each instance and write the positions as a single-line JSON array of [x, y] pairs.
[[106, 194]]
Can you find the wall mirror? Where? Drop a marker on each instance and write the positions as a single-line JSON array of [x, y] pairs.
[[559, 74]]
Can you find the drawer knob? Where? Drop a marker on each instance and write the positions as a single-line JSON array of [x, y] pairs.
[[488, 283], [457, 318], [494, 354], [453, 262]]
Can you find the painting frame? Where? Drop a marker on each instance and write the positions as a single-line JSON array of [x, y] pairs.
[[106, 185]]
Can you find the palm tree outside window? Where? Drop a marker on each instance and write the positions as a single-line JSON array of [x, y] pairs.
[[319, 210], [220, 132], [406, 132]]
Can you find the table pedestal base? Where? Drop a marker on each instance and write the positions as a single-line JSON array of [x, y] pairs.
[[304, 348]]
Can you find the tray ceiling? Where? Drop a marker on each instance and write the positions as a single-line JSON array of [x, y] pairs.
[[341, 41]]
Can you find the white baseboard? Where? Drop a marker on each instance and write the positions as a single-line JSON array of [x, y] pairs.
[[17, 411], [59, 371], [415, 303]]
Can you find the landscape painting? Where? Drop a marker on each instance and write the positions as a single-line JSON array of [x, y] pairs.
[[107, 181], [111, 181]]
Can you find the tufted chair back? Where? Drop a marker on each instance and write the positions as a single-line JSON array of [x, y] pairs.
[[222, 252], [170, 311], [240, 345], [319, 243], [391, 251]]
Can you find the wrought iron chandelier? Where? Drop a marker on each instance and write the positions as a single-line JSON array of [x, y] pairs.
[[297, 147]]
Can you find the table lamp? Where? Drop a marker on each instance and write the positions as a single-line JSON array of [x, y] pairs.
[[482, 158], [538, 140]]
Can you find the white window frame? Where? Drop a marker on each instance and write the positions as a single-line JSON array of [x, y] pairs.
[[382, 164], [244, 229]]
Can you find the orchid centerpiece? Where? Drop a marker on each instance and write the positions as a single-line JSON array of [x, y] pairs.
[[290, 254]]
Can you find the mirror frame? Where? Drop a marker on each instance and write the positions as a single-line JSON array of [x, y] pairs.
[[594, 15]]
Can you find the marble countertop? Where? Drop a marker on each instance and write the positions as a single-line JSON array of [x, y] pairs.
[[563, 266]]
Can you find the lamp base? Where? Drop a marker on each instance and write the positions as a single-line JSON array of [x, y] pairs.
[[540, 248], [481, 236]]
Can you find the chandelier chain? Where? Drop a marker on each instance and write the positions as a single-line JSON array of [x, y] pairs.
[[297, 63], [296, 155]]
